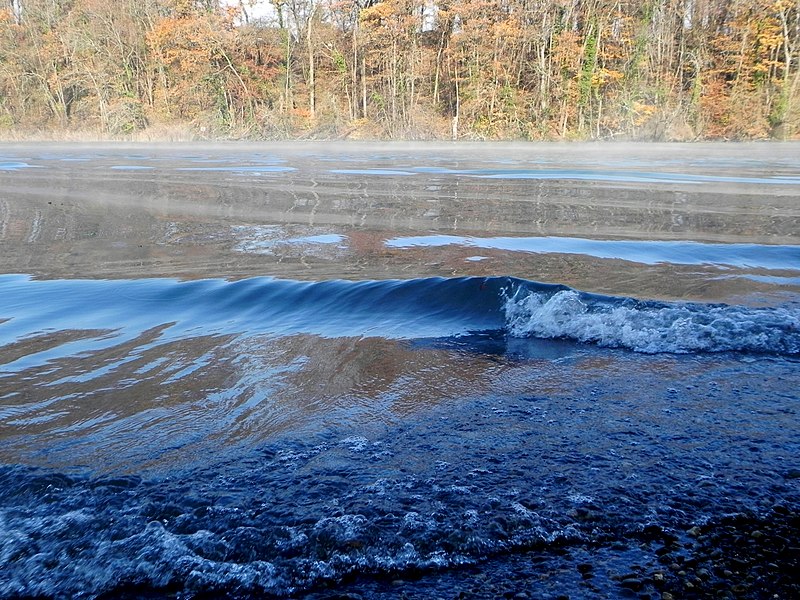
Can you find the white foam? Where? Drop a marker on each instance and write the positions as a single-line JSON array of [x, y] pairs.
[[653, 328]]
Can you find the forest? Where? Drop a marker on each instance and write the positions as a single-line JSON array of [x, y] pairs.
[[401, 69]]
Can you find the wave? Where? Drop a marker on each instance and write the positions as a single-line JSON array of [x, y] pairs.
[[651, 327], [337, 308], [114, 312], [415, 309]]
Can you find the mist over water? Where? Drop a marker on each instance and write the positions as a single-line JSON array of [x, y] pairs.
[[321, 369]]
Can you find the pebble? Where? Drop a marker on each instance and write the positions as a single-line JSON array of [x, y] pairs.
[[632, 583], [743, 556]]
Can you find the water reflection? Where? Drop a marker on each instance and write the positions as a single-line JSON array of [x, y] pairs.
[[151, 401], [646, 252], [289, 211]]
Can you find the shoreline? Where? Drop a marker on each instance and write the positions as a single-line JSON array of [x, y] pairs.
[[191, 135], [431, 144]]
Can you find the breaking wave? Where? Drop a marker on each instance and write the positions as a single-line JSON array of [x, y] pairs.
[[415, 309], [651, 327]]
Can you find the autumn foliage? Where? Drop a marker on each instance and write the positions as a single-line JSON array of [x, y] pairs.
[[472, 69]]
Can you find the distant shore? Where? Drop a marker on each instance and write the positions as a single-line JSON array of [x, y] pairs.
[[191, 134]]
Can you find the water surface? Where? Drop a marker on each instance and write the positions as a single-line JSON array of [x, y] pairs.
[[321, 369]]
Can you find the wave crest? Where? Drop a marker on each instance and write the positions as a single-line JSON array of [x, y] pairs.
[[651, 327]]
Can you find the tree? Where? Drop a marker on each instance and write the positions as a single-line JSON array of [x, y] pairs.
[[406, 68]]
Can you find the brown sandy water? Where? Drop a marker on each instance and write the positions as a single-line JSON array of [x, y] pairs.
[[233, 210]]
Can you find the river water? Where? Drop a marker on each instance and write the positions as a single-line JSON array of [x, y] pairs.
[[373, 370]]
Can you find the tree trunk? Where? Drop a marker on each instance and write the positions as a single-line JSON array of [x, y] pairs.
[[353, 102], [288, 100], [458, 103], [16, 11], [312, 101], [438, 69], [363, 86]]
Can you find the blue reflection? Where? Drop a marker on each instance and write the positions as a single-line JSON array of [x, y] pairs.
[[645, 252]]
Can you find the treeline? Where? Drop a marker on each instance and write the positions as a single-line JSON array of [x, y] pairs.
[[474, 69]]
